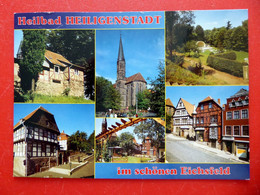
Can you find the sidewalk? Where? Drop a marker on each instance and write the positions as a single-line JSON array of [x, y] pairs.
[[215, 151]]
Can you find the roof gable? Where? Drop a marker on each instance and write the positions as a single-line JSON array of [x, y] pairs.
[[56, 58], [39, 117], [188, 106], [136, 77], [169, 102]]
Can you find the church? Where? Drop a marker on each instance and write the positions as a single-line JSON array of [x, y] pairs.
[[128, 87]]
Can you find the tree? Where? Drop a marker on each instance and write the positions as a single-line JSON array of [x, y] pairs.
[[199, 33], [107, 97], [78, 47], [33, 51], [126, 142], [168, 123], [78, 141], [191, 46], [155, 131], [178, 29], [143, 99], [228, 25], [157, 95]]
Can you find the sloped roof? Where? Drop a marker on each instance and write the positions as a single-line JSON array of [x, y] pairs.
[[26, 118], [169, 102], [136, 77], [189, 107], [208, 99], [241, 92], [56, 58]]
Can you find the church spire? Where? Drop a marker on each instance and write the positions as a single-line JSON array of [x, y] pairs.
[[121, 56]]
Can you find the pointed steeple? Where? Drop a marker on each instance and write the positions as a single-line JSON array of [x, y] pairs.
[[121, 56]]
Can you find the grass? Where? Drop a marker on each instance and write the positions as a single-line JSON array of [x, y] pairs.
[[179, 76], [38, 98], [241, 55], [131, 159]]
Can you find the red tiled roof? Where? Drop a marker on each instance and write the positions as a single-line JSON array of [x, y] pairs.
[[135, 77], [207, 99]]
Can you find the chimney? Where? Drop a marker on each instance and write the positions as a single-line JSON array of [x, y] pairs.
[[219, 101]]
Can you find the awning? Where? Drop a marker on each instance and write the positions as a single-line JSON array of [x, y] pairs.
[[200, 129]]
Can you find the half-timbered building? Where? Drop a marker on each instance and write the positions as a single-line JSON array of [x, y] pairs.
[[58, 75], [208, 122], [183, 119], [35, 143]]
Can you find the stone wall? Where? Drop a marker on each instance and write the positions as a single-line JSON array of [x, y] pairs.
[[38, 164], [19, 166]]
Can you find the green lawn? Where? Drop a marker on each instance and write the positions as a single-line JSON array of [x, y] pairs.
[[59, 99], [131, 159]]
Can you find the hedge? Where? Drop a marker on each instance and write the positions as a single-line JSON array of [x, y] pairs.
[[225, 65], [229, 55]]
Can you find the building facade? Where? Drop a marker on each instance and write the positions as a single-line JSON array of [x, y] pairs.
[[63, 141], [35, 143], [128, 87], [208, 122], [147, 148], [183, 119], [58, 75], [236, 124]]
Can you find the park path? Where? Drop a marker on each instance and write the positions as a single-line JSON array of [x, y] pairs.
[[226, 78]]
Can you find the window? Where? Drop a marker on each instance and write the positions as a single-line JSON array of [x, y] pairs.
[[40, 134], [29, 149], [39, 150], [244, 114], [45, 134], [177, 121], [178, 112], [56, 69], [48, 150], [236, 130], [210, 105], [229, 115], [214, 119], [36, 133], [34, 149], [228, 130], [30, 132], [201, 107], [43, 149], [201, 120], [76, 72], [184, 121], [198, 120], [49, 136], [236, 115], [245, 130]]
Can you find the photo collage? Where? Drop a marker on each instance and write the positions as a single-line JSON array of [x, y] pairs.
[[85, 99]]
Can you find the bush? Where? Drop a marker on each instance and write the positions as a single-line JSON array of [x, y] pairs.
[[66, 91], [178, 59], [28, 96], [229, 66], [229, 55]]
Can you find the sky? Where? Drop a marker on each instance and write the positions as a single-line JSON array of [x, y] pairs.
[[143, 49], [18, 36], [69, 117], [112, 122], [195, 94], [209, 19]]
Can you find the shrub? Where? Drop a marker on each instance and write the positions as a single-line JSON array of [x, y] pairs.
[[66, 91], [229, 55], [229, 66], [178, 59]]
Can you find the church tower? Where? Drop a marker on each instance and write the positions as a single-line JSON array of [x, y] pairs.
[[120, 62], [121, 79]]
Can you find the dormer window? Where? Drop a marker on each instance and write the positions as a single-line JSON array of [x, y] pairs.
[[56, 69]]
